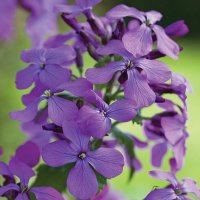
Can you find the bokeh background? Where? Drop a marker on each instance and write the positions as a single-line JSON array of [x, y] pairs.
[[188, 65]]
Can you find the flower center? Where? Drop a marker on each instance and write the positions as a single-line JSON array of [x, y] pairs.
[[42, 65], [103, 112], [47, 93], [177, 192], [148, 23], [129, 64], [82, 156]]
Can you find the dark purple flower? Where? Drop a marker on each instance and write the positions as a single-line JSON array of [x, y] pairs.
[[22, 189], [80, 7], [175, 190], [137, 72], [81, 181], [46, 66], [139, 39], [7, 10], [42, 20], [58, 109], [96, 121]]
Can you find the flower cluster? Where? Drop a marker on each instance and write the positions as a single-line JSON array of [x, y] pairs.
[[73, 112]]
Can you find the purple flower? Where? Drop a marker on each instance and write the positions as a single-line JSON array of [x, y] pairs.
[[7, 10], [96, 121], [75, 10], [167, 129], [139, 39], [46, 66], [81, 181], [136, 73], [175, 190], [22, 189], [58, 109], [42, 20]]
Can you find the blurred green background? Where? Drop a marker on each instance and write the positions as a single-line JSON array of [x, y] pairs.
[[188, 65]]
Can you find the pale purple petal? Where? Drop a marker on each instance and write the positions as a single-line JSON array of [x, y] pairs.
[[26, 77], [137, 89], [53, 75], [35, 56], [77, 87], [58, 153], [122, 10], [167, 176], [162, 194], [71, 10], [122, 110], [46, 193], [21, 170], [108, 162], [93, 123], [190, 185], [156, 71], [22, 196], [165, 44], [173, 129], [4, 170], [104, 74], [82, 182], [73, 133], [28, 113], [138, 41], [153, 16], [28, 153], [8, 187], [158, 152], [114, 47], [88, 3], [60, 109]]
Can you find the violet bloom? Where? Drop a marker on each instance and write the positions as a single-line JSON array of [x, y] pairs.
[[7, 10], [176, 190], [42, 20], [82, 181], [137, 73], [75, 10], [21, 191], [139, 39], [46, 66], [167, 130], [97, 121]]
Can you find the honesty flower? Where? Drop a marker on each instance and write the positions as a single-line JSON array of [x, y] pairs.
[[96, 121], [175, 190], [136, 73], [82, 181], [139, 39], [46, 66], [22, 189]]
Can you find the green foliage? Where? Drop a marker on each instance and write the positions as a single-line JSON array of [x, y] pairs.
[[103, 61], [53, 176], [101, 181], [128, 144]]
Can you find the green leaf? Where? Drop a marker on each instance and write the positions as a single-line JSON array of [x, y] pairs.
[[96, 144], [101, 181], [103, 61], [53, 176], [128, 144]]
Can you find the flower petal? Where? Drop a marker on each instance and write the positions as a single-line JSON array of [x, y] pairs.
[[114, 47], [162, 194], [8, 187], [53, 75], [33, 55], [28, 153], [137, 89], [108, 162], [157, 72], [138, 41], [153, 16], [26, 77], [93, 123], [122, 10], [122, 110], [60, 109], [167, 176], [22, 196], [103, 74], [165, 44], [4, 170], [46, 193], [58, 153], [158, 152], [82, 182], [190, 185], [28, 113]]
